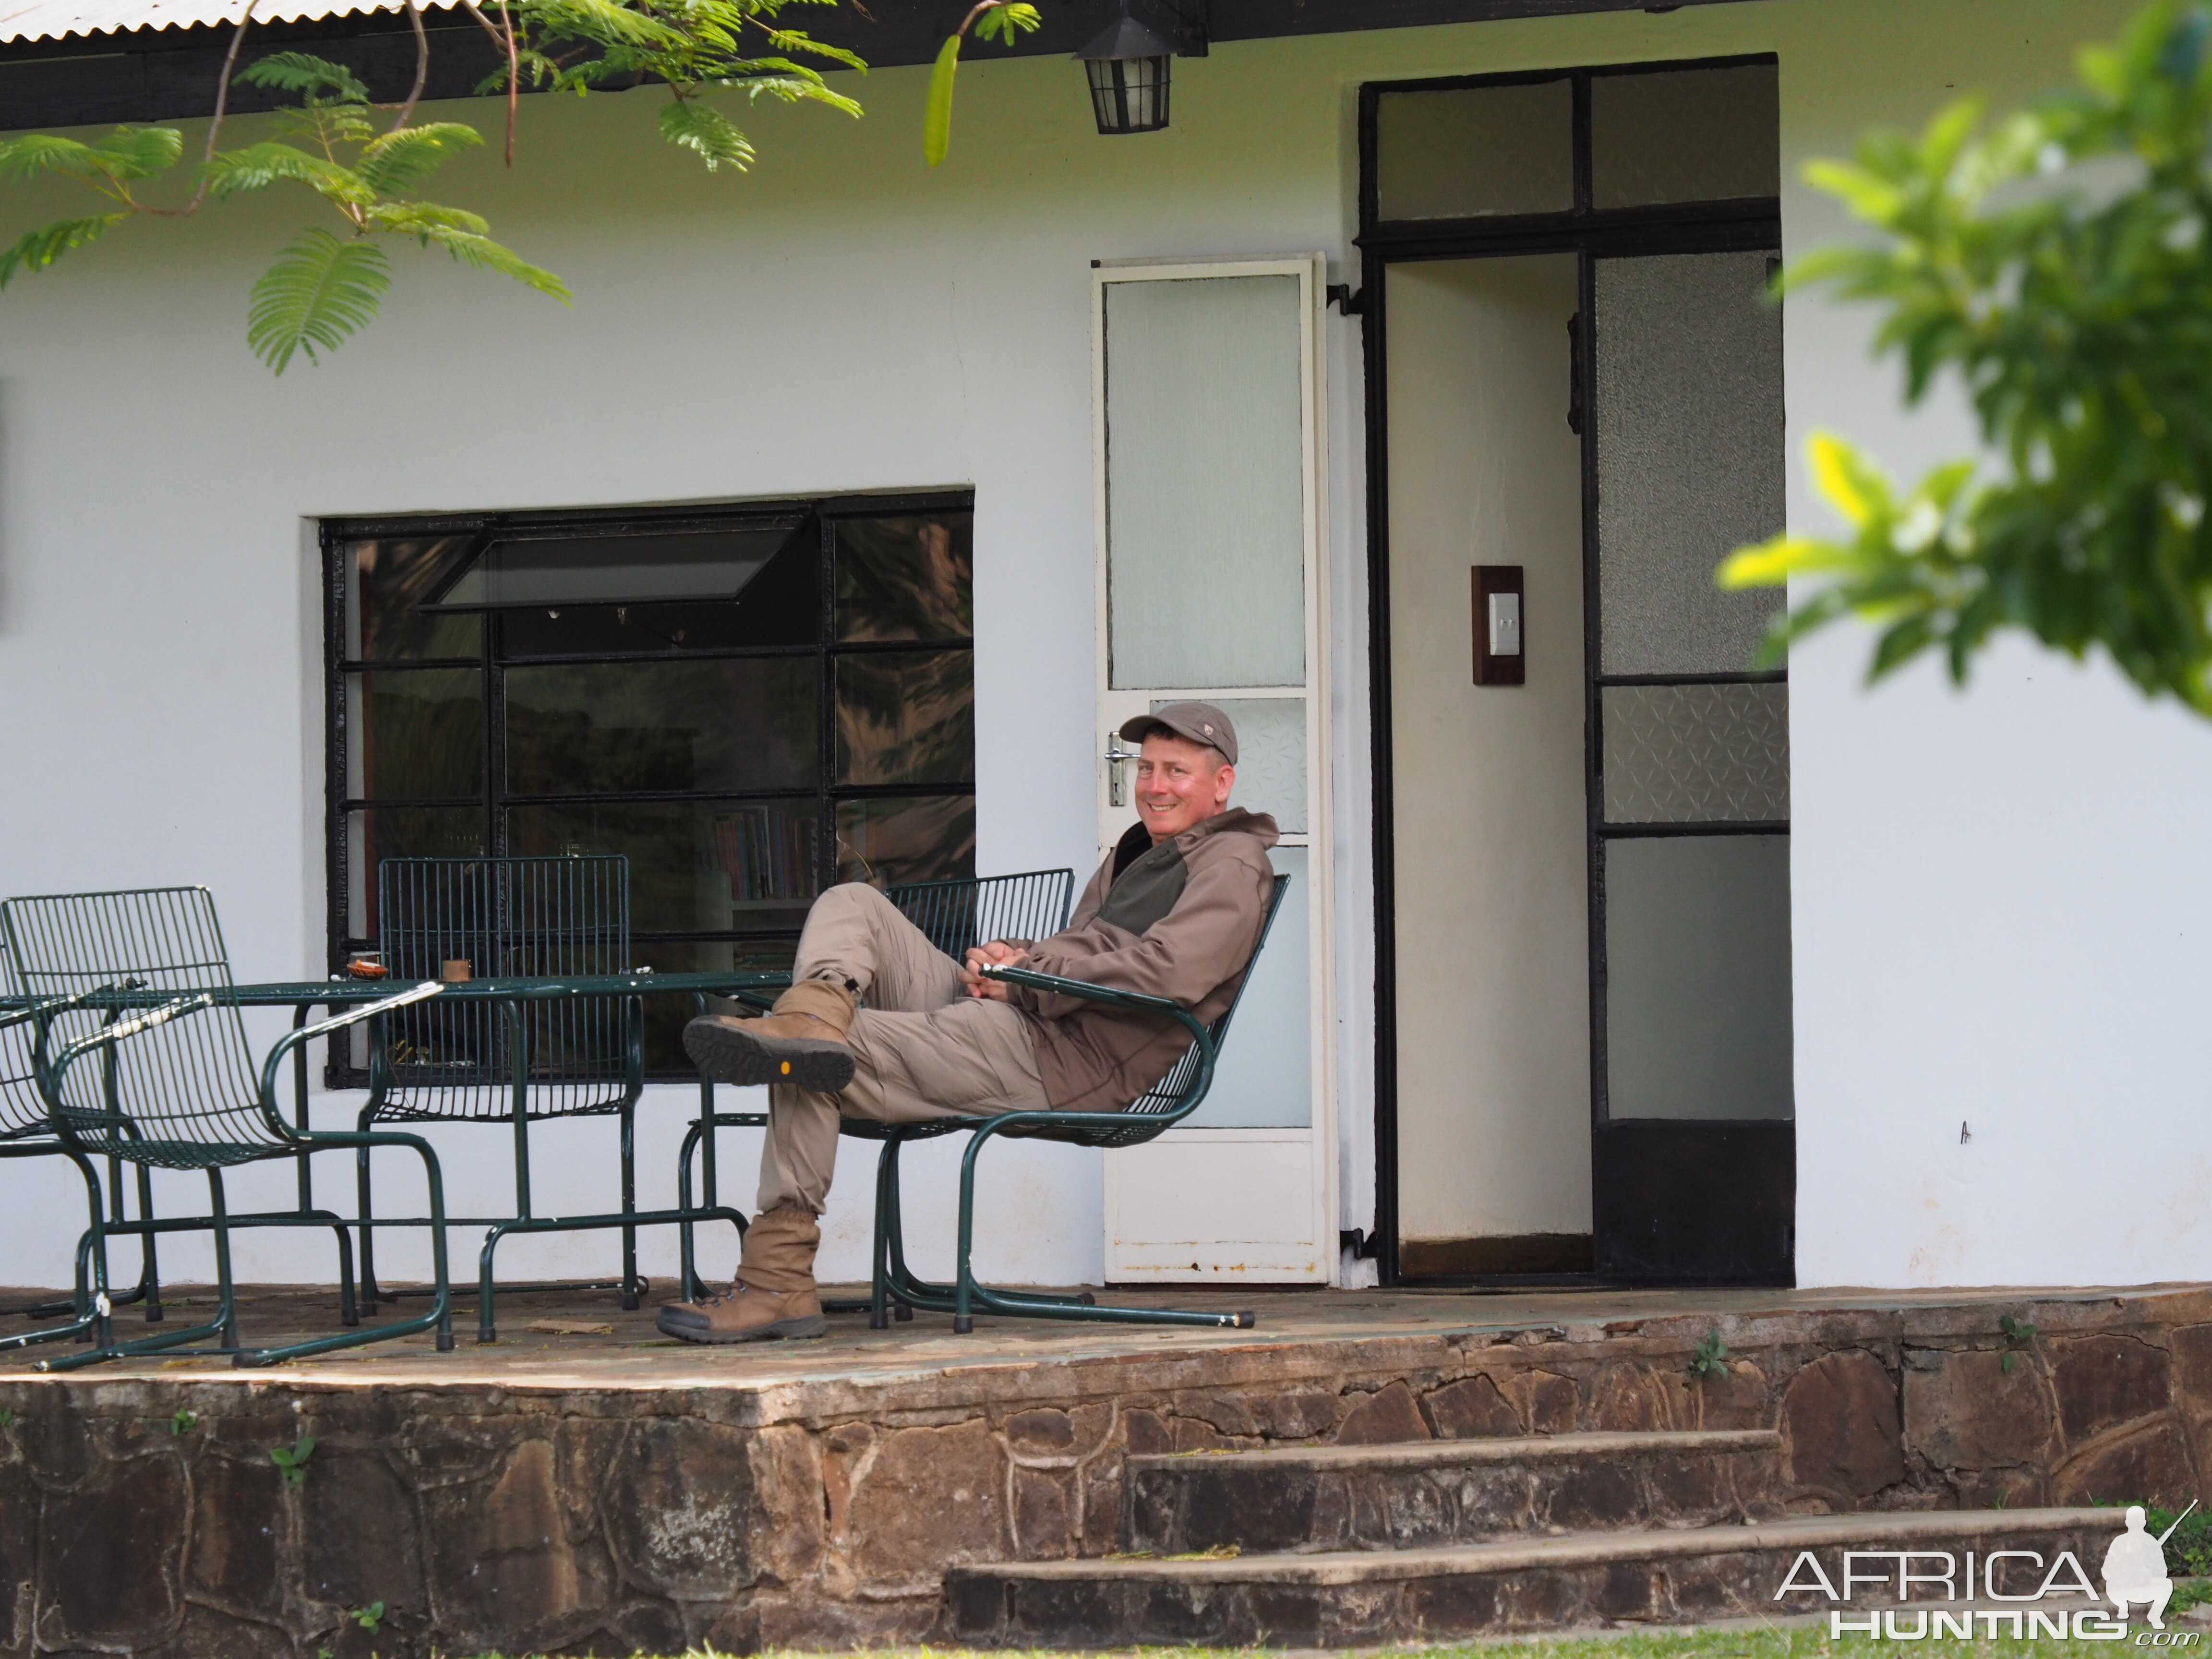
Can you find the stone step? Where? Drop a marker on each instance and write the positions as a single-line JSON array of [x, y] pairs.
[[1365, 1597], [1414, 1494]]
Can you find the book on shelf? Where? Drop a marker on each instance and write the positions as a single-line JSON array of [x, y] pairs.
[[766, 852]]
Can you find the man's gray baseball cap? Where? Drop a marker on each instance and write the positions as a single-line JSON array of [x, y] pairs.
[[1202, 722]]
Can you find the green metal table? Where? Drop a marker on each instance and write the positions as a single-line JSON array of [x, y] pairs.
[[756, 988]]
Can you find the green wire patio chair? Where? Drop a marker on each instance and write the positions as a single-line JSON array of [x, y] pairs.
[[487, 1061], [893, 1284], [956, 915], [141, 1054]]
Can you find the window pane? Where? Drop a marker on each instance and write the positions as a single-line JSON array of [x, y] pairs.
[[1696, 990], [1271, 757], [693, 865], [906, 579], [1697, 754], [1476, 151], [931, 838], [906, 717], [780, 606], [694, 563], [401, 832], [383, 580], [1205, 483], [413, 734], [1687, 136], [666, 1016], [592, 728], [1690, 459]]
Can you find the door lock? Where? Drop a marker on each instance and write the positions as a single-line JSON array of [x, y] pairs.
[[1117, 785]]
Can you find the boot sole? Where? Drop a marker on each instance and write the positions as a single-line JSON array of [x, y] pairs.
[[804, 1325], [735, 1055]]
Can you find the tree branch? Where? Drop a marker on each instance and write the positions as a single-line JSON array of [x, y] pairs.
[[422, 67]]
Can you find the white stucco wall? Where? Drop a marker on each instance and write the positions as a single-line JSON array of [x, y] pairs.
[[1996, 900]]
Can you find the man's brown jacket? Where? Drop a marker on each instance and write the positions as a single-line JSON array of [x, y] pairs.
[[1180, 920]]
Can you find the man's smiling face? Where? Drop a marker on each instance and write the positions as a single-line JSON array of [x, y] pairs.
[[1179, 783]]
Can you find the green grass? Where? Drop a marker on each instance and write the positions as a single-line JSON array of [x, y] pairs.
[[1793, 1642]]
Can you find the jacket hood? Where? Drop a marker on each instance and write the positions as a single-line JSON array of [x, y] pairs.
[[1235, 821]]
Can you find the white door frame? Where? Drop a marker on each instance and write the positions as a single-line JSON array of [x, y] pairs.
[[1192, 1151]]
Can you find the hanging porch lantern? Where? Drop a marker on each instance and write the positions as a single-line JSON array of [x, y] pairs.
[[1127, 68]]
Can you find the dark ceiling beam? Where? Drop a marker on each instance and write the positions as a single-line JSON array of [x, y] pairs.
[[169, 75]]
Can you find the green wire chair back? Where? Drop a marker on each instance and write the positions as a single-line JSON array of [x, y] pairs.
[[505, 918], [22, 1113], [1173, 1097], [181, 1095], [961, 913]]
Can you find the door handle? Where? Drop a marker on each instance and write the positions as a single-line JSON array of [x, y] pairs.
[[1117, 787]]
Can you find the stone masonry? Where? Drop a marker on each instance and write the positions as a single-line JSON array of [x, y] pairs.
[[824, 1512]]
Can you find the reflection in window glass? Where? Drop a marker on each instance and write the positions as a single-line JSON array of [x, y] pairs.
[[384, 579], [714, 744], [694, 866], [906, 717], [401, 832], [597, 728], [887, 842], [906, 579], [414, 735], [666, 1016]]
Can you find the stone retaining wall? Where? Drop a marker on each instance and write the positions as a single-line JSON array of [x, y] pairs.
[[615, 1520]]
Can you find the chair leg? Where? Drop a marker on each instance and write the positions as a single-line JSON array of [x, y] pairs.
[[150, 1269], [349, 1309], [879, 1253], [629, 1295], [89, 1300], [370, 1296], [226, 1318]]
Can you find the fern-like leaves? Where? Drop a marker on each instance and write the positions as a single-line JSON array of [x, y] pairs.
[[690, 125], [41, 247], [314, 80], [1008, 23], [399, 160], [127, 153], [320, 291], [233, 172], [461, 233]]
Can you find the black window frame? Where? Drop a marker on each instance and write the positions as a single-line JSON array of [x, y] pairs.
[[823, 516]]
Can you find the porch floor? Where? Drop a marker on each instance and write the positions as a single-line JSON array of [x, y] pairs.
[[566, 1339]]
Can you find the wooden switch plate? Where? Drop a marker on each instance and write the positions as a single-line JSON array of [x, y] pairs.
[[1496, 669]]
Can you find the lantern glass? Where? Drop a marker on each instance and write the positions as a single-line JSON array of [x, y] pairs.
[[1129, 95]]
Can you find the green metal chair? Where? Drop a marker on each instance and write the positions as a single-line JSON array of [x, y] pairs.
[[956, 915], [144, 1058], [1166, 1104], [489, 1062]]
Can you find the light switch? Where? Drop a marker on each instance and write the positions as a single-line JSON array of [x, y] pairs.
[[1505, 624]]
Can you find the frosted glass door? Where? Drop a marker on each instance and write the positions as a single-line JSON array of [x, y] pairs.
[[1209, 587]]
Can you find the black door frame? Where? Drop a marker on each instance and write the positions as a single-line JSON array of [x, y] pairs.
[[1747, 225]]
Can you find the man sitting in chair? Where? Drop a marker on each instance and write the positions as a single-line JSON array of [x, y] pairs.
[[879, 1024]]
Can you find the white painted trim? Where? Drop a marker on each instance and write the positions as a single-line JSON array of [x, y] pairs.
[[1322, 1136]]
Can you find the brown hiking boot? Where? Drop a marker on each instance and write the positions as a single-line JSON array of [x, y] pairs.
[[745, 1314], [803, 1041], [774, 1293]]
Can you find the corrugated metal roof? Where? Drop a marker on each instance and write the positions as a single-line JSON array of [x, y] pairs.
[[55, 20]]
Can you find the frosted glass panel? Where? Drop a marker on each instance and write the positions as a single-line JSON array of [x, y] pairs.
[[1690, 457], [1205, 483], [1265, 1079], [1271, 757], [1697, 754], [1475, 151], [1697, 997], [1685, 136]]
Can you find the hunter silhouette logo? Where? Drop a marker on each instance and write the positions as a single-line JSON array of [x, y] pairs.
[[2134, 1567]]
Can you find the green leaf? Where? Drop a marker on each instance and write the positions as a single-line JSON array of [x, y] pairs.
[[233, 172], [448, 228], [38, 249], [690, 125], [139, 152], [126, 153], [318, 293], [398, 160], [307, 75], [937, 120], [1006, 22], [798, 40]]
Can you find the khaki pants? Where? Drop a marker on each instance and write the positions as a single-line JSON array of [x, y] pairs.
[[922, 1048]]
